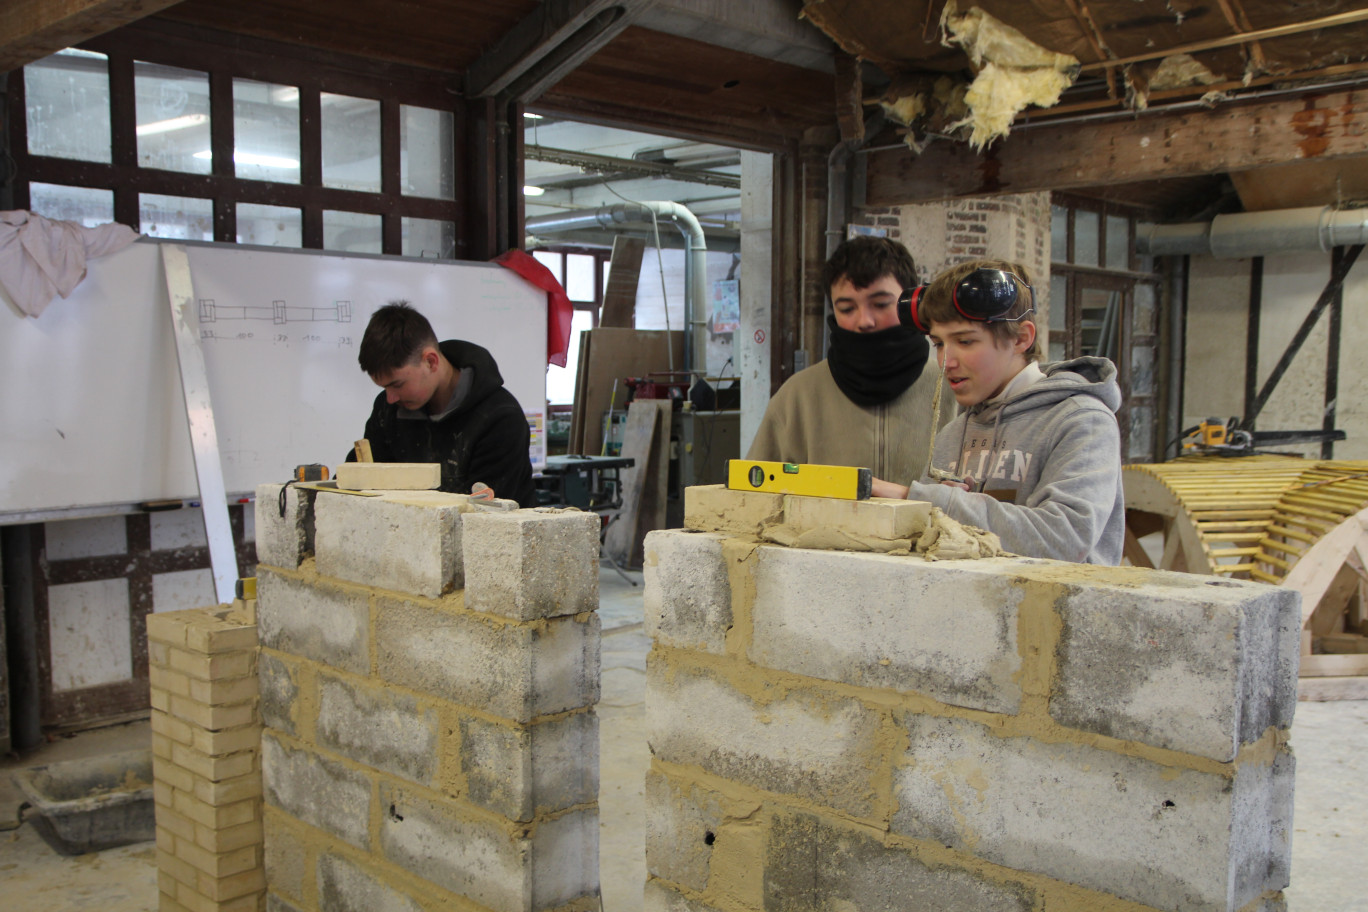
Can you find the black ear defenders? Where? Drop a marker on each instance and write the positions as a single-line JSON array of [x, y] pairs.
[[983, 296]]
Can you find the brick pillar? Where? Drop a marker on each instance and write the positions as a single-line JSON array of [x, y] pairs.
[[206, 740], [833, 729], [428, 678]]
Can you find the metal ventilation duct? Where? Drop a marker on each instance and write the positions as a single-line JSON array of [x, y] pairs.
[[1250, 234]]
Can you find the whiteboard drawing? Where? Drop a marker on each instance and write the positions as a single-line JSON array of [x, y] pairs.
[[277, 313]]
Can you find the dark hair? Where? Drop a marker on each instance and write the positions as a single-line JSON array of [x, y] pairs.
[[395, 336], [937, 305], [864, 260]]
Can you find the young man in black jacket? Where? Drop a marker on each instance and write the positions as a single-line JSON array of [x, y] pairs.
[[444, 403]]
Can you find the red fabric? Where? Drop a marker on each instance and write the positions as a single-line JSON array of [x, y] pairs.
[[558, 307]]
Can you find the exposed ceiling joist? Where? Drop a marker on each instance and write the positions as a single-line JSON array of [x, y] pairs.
[[32, 29], [554, 39], [608, 164], [1165, 144]]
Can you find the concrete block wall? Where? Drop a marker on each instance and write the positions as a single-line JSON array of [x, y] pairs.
[[206, 740], [429, 670], [834, 730]]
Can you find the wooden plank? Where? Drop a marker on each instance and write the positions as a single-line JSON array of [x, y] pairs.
[[616, 354], [1152, 146], [1325, 690], [639, 435], [33, 29], [1331, 666], [624, 274]]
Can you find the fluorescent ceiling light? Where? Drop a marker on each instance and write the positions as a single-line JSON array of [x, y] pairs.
[[528, 115], [174, 123], [251, 158], [532, 191]]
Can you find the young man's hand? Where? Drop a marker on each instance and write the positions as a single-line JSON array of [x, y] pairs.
[[965, 485], [881, 488]]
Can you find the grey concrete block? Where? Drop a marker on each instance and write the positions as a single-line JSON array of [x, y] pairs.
[[518, 671], [660, 898], [284, 541], [522, 771], [814, 865], [346, 887], [314, 619], [945, 629], [532, 563], [1189, 663], [379, 727], [687, 592], [817, 746], [1166, 837], [284, 858], [406, 541], [493, 865], [682, 823], [321, 792], [278, 683]]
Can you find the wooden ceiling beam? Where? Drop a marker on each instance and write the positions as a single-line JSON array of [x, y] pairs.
[[33, 29], [1154, 146]]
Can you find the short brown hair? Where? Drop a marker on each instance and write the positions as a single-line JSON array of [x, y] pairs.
[[395, 336], [866, 259], [937, 302]]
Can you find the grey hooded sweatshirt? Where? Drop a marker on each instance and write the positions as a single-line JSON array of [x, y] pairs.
[[1046, 465]]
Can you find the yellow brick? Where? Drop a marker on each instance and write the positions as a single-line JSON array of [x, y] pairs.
[[227, 839], [158, 653], [222, 889], [192, 900], [224, 690], [162, 793], [178, 777], [214, 768], [221, 638], [182, 871], [173, 728], [219, 864], [207, 667], [166, 840], [213, 718], [161, 746], [245, 610], [228, 741], [229, 791], [168, 626], [220, 816], [160, 700], [175, 822], [170, 905], [169, 680], [166, 884]]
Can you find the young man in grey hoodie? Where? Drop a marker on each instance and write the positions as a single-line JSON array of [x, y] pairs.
[[1034, 455]]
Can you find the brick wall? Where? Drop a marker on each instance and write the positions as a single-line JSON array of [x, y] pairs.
[[837, 730], [428, 675], [206, 738]]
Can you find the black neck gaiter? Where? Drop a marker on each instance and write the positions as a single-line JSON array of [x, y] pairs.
[[874, 368]]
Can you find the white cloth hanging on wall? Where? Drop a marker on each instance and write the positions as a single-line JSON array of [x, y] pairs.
[[42, 257]]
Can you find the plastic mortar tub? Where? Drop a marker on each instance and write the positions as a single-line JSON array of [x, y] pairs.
[[84, 806]]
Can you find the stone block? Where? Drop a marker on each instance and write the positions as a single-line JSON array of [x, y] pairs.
[[1178, 661], [815, 865], [379, 727], [408, 542], [820, 747], [275, 903], [1166, 837], [389, 476], [284, 541], [314, 619], [683, 820], [944, 629], [278, 683], [660, 898], [522, 771], [716, 508], [284, 856], [321, 792], [687, 591], [490, 864], [879, 518], [346, 887], [512, 670], [532, 563]]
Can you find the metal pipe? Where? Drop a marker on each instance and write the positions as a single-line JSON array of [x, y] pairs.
[[1249, 234], [619, 215]]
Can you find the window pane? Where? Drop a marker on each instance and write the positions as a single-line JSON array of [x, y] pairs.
[[66, 97], [272, 226], [560, 381], [265, 131], [87, 206], [1118, 242], [173, 118], [579, 276], [429, 238], [1059, 234], [551, 261], [180, 217], [1142, 371], [1145, 311], [354, 232], [1085, 237], [426, 157], [351, 142], [1059, 302]]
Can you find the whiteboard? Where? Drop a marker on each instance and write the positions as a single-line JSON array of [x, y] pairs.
[[92, 414]]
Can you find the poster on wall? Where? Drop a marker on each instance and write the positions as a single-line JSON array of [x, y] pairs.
[[726, 307]]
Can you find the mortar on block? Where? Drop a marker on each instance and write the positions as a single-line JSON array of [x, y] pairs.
[[88, 805]]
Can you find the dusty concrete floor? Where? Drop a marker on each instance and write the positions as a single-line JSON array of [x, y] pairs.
[[1331, 816]]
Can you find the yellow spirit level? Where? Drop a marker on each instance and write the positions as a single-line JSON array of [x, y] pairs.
[[844, 482]]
